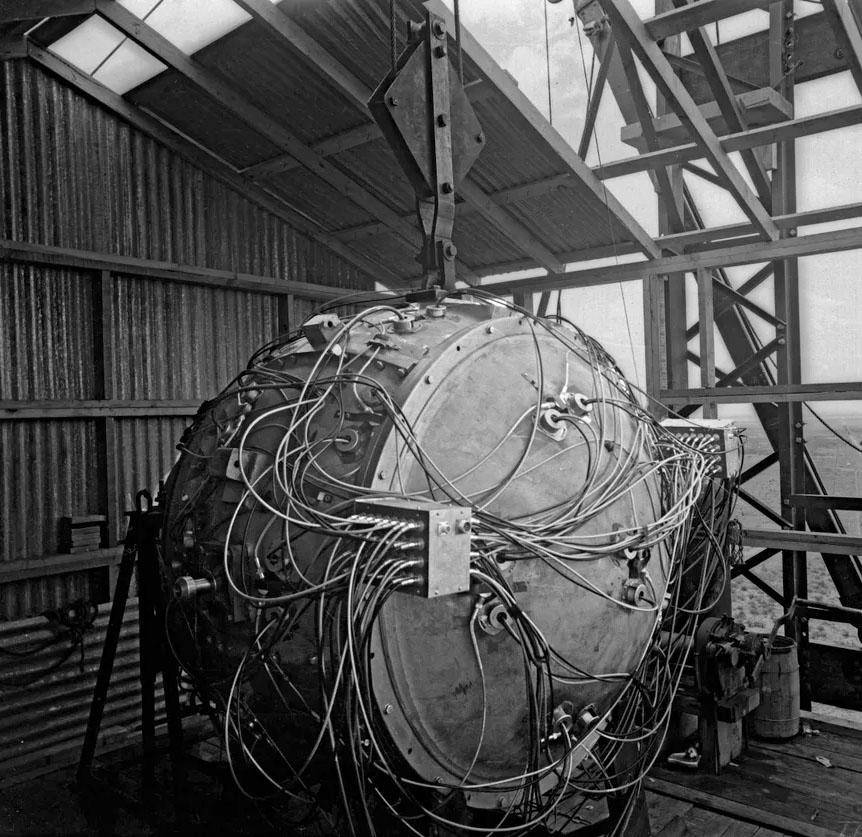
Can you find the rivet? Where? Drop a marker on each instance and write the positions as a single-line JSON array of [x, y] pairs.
[[429, 379], [489, 330], [440, 51], [387, 710], [447, 188], [381, 475], [442, 120]]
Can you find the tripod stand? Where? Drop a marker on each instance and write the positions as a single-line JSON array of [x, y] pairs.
[[141, 552]]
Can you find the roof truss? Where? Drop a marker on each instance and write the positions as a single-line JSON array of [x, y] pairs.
[[629, 28]]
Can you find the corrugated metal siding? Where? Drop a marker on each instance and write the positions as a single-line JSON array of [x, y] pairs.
[[184, 341], [40, 721], [73, 175], [46, 336], [19, 599], [49, 470], [145, 450]]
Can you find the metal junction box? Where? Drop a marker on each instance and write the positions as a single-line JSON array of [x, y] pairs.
[[720, 438], [440, 537]]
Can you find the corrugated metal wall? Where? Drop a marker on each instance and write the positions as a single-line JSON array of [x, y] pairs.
[[43, 723], [73, 175]]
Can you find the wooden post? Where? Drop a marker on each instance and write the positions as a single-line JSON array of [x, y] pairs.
[[707, 338]]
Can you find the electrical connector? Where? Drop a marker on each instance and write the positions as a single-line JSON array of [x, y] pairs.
[[439, 537]]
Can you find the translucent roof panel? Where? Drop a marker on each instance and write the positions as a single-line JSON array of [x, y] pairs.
[[99, 49], [103, 52], [189, 24]]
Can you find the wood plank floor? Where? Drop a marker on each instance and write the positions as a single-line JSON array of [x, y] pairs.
[[774, 788]]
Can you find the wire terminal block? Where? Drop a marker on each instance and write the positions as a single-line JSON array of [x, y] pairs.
[[439, 538], [719, 439]]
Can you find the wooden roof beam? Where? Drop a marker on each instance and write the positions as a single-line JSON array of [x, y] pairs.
[[729, 106], [210, 164], [226, 96], [815, 53], [698, 14], [753, 137], [731, 255], [328, 147], [274, 19], [846, 30], [12, 10], [660, 176], [628, 26], [565, 153]]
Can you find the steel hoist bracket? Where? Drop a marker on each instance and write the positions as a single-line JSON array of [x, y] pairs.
[[428, 121]]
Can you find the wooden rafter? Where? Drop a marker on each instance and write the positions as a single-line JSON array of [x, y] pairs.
[[789, 129], [47, 255], [208, 163], [729, 106], [565, 153], [328, 147], [280, 24], [12, 10], [733, 254], [698, 14], [662, 176], [211, 84], [845, 27], [593, 108], [628, 25]]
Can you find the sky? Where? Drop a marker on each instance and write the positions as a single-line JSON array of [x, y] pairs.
[[829, 172]]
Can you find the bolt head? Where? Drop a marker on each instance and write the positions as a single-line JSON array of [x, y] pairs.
[[480, 137], [393, 101], [387, 710], [438, 28], [440, 52], [442, 120], [447, 188]]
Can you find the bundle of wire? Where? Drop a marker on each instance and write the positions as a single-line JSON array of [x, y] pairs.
[[359, 563]]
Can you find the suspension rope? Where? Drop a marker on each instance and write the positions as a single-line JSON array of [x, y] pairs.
[[588, 83], [393, 35], [548, 63], [457, 10]]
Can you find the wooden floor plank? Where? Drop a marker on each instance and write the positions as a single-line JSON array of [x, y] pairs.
[[744, 829], [662, 809], [733, 802], [810, 750]]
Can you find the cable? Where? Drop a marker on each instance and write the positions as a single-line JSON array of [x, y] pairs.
[[831, 429], [548, 62], [287, 556]]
